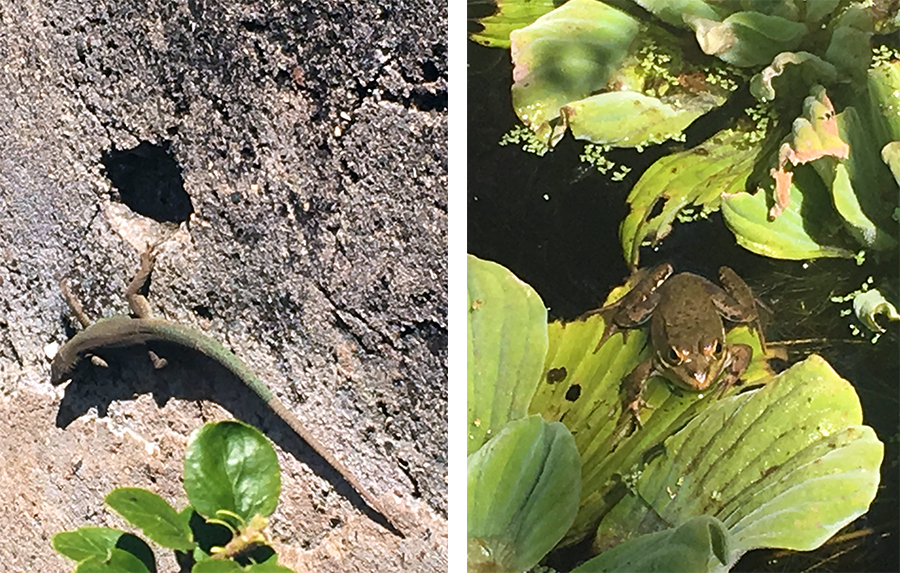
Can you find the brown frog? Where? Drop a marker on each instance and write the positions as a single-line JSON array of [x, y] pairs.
[[687, 334]]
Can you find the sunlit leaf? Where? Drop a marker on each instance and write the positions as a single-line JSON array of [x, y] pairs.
[[507, 327], [566, 55], [747, 38], [523, 489], [803, 231], [697, 177], [689, 547], [631, 119], [510, 15], [785, 466], [869, 304]]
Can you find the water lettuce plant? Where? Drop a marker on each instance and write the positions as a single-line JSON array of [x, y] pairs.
[[807, 165], [783, 461]]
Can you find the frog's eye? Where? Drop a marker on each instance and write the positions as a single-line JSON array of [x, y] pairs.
[[674, 357], [717, 349]]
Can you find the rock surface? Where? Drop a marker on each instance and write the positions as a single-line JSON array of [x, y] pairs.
[[290, 160]]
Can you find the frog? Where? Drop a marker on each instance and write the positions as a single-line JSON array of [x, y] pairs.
[[687, 332]]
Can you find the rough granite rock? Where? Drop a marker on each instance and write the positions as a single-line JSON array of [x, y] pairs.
[[290, 159]]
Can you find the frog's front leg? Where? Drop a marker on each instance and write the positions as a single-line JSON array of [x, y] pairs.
[[636, 306], [633, 385], [739, 360], [737, 303]]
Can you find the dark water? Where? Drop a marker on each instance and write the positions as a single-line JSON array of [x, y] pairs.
[[555, 225]]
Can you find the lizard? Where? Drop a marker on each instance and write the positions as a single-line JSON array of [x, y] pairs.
[[122, 330]]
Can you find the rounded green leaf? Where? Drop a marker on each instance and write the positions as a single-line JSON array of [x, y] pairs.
[[231, 466], [565, 56], [690, 547], [118, 561], [270, 566], [522, 488], [631, 119], [216, 566], [507, 328], [784, 466], [747, 38], [153, 515], [97, 542], [86, 542], [803, 231]]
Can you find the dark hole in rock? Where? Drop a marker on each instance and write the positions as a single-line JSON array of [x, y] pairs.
[[149, 181]]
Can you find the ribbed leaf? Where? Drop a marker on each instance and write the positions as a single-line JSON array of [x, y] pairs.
[[507, 327]]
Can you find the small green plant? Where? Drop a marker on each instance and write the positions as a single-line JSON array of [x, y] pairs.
[[232, 480]]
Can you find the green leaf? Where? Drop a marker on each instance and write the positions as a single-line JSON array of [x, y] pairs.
[[153, 515], [507, 327], [631, 119], [510, 15], [216, 566], [784, 466], [675, 12], [231, 466], [861, 186], [850, 49], [97, 542], [86, 542], [270, 566], [803, 231], [117, 561], [869, 304], [808, 69], [697, 177], [890, 154], [689, 547], [565, 56], [522, 489], [747, 39]]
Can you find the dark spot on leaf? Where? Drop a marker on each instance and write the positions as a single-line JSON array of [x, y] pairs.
[[555, 375], [573, 392]]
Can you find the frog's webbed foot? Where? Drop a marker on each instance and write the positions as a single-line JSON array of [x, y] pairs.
[[633, 386], [740, 360]]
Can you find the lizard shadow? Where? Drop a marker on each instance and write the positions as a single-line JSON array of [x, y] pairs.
[[190, 375]]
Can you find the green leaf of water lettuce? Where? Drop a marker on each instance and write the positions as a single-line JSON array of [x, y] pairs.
[[564, 56], [697, 177], [522, 488], [507, 341], [809, 70], [747, 39], [153, 515], [231, 466], [631, 119], [784, 466], [510, 15], [862, 189], [869, 304], [689, 547], [803, 231]]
